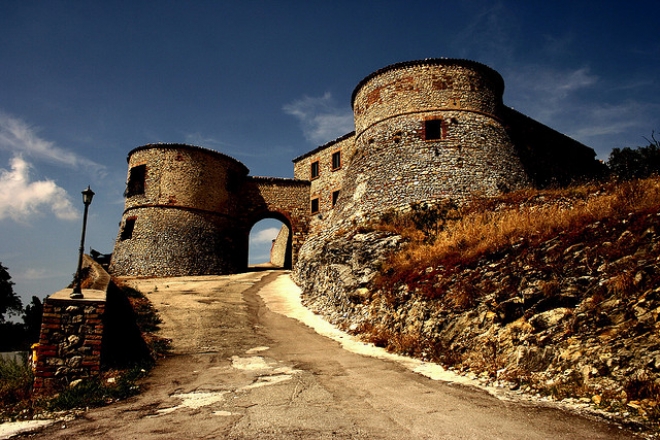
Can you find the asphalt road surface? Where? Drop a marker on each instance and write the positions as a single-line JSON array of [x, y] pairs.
[[239, 370]]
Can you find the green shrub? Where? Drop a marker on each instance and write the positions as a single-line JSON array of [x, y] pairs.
[[16, 380], [93, 392]]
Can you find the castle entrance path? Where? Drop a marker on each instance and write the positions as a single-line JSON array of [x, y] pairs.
[[241, 369]]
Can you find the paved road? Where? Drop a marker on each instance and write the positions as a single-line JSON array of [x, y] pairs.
[[241, 371]]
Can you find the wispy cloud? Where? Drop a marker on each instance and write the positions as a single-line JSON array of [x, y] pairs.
[[203, 141], [320, 118], [232, 150], [19, 138], [489, 35], [36, 274], [615, 122], [569, 100], [264, 236], [20, 198], [542, 87]]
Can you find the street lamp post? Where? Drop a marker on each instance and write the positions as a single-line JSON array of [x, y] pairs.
[[87, 196]]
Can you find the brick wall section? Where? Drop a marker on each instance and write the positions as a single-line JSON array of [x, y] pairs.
[[426, 86], [72, 334], [70, 343]]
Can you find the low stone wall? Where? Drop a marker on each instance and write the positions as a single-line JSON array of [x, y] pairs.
[[71, 334], [70, 343]]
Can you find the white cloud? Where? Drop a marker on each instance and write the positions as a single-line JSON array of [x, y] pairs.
[[202, 141], [20, 198], [570, 101], [264, 236], [548, 89], [36, 274], [320, 118], [18, 137]]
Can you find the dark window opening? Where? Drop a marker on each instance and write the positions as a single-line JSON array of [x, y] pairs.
[[335, 197], [315, 169], [433, 129], [314, 206], [136, 177], [127, 231], [336, 160], [233, 181]]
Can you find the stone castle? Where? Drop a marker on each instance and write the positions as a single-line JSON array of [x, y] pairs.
[[425, 131]]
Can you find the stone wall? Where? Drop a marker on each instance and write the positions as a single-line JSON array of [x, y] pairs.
[[189, 211], [80, 337], [178, 217], [326, 186], [393, 159], [71, 335], [398, 161], [282, 199], [70, 343], [278, 251], [185, 176], [549, 157], [425, 131], [426, 86], [170, 241]]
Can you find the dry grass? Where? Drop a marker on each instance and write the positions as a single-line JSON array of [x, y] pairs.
[[488, 226]]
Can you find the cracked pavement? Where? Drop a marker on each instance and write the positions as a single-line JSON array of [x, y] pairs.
[[241, 370]]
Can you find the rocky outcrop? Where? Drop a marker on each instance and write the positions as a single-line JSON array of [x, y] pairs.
[[334, 270], [574, 317]]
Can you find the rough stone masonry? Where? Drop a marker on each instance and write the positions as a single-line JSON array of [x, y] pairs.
[[425, 131]]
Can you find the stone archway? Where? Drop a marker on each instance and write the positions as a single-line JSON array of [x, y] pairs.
[[270, 243], [189, 211], [285, 200]]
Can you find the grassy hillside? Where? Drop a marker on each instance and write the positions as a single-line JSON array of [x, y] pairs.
[[553, 292]]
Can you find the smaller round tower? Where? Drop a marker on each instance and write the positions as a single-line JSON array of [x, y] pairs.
[[179, 213], [428, 130]]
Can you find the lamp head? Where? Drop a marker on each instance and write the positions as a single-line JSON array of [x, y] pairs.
[[88, 195]]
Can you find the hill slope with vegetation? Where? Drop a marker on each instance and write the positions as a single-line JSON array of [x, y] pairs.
[[553, 292]]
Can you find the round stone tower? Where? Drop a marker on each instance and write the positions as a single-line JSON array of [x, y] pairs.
[[179, 213], [428, 130]]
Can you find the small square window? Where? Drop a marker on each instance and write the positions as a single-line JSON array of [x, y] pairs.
[[136, 177], [335, 197], [336, 160], [433, 129], [314, 206], [315, 169], [127, 231]]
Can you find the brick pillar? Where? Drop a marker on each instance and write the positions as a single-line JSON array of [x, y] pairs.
[[70, 342]]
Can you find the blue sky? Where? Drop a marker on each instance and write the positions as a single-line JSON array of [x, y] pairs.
[[84, 82]]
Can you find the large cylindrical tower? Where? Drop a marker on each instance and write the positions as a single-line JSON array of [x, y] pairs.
[[428, 130], [179, 213]]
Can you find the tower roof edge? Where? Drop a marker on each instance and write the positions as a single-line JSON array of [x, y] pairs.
[[430, 62]]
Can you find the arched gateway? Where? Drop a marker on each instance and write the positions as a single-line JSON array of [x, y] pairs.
[[189, 211]]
